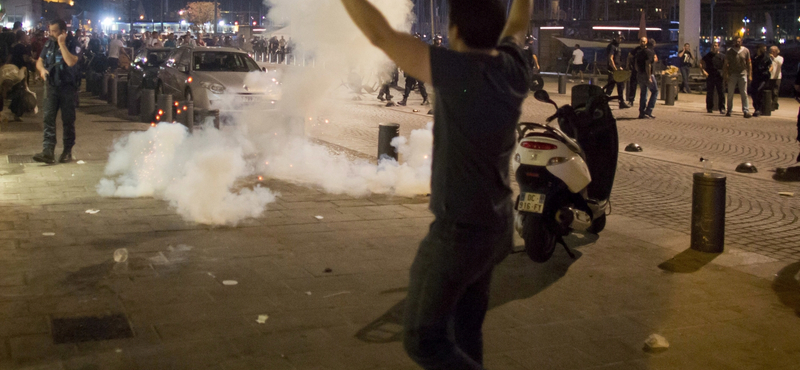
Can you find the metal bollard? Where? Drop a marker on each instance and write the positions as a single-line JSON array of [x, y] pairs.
[[562, 84], [190, 115], [147, 105], [388, 131], [122, 94], [165, 107], [594, 81], [104, 87], [669, 91], [133, 101], [766, 100], [662, 82], [113, 90], [708, 212]]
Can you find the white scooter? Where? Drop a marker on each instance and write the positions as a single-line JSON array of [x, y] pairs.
[[565, 175]]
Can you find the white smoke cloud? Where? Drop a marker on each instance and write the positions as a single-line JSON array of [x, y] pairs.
[[202, 175]]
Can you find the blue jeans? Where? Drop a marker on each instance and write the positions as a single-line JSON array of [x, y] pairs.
[[448, 294], [647, 83], [59, 97]]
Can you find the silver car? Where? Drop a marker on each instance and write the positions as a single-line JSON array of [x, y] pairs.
[[215, 78]]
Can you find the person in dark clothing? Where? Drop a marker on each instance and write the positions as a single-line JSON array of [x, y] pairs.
[[631, 66], [412, 82], [58, 67], [712, 64], [645, 59], [480, 86], [687, 62], [614, 53], [21, 58], [762, 66], [797, 97]]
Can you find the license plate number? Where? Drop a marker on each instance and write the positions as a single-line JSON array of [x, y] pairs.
[[531, 202], [249, 99]]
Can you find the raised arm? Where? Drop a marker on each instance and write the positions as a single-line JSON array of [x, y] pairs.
[[519, 20], [409, 53]]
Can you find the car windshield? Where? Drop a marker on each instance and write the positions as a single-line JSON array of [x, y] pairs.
[[220, 61], [154, 58]]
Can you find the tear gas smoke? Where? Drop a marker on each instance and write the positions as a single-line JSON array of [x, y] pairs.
[[200, 174]]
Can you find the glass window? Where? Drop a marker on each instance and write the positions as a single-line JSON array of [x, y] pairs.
[[220, 61], [173, 57]]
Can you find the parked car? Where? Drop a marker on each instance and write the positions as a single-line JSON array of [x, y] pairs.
[[145, 67], [214, 78]]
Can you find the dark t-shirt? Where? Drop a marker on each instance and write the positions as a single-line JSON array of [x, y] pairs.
[[713, 64], [60, 73], [18, 52], [614, 51], [686, 59], [478, 105], [761, 64], [644, 58]]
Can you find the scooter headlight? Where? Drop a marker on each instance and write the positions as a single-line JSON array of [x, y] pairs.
[[517, 158], [556, 160]]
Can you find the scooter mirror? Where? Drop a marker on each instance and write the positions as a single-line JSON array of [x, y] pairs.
[[542, 96]]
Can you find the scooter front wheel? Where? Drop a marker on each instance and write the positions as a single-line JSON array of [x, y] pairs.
[[540, 240]]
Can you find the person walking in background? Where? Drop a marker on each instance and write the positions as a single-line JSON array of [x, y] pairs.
[[645, 59], [762, 66], [712, 64], [614, 55], [58, 67], [687, 62], [738, 71], [630, 64], [576, 62], [114, 49], [776, 75], [480, 86]]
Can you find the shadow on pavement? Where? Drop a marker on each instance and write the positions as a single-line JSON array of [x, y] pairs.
[[787, 287], [688, 261], [515, 278]]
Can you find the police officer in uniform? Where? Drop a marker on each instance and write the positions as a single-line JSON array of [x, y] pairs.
[[57, 65], [410, 82]]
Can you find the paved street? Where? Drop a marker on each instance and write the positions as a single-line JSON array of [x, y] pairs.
[[332, 289]]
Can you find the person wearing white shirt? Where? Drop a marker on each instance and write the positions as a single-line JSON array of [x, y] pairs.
[[576, 62], [775, 78], [114, 48]]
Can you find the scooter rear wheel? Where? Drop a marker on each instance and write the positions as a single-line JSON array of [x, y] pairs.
[[540, 240], [598, 225]]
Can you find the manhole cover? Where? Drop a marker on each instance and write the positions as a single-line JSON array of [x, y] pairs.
[[20, 158], [86, 329]]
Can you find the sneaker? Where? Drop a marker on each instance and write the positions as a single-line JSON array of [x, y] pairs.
[[46, 156], [710, 111], [756, 114], [728, 114], [622, 105], [747, 115], [650, 115], [381, 98], [642, 116], [425, 101], [722, 111], [402, 102]]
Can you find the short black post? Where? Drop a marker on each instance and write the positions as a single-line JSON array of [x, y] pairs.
[[766, 109], [104, 86], [662, 82], [189, 115], [562, 84], [165, 107], [669, 92], [122, 94], [388, 131], [133, 101], [594, 81], [147, 105], [112, 99], [708, 212]]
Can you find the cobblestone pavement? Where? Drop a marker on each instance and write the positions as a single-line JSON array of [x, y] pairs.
[[656, 185]]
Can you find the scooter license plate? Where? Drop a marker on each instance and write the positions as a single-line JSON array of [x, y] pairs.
[[531, 202]]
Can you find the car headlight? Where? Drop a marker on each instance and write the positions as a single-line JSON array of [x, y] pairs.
[[213, 87]]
